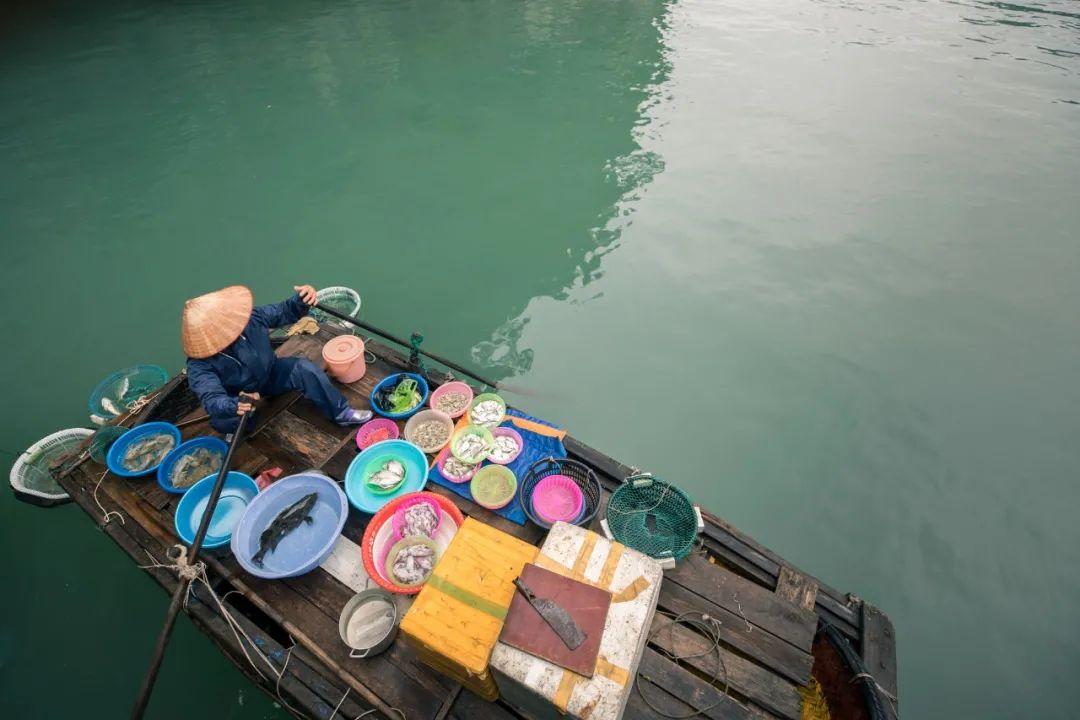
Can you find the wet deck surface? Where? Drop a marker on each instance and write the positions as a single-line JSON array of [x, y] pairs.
[[767, 609]]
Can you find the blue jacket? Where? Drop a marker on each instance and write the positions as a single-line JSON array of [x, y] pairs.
[[244, 365]]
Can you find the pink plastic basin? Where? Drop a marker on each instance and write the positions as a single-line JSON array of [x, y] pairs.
[[454, 386], [375, 431], [557, 498]]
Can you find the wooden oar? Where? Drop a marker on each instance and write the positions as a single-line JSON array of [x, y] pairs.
[[182, 587]]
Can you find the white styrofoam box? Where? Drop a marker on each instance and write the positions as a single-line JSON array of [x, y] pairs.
[[543, 691]]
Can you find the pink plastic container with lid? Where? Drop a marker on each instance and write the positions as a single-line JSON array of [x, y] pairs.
[[557, 498], [344, 356]]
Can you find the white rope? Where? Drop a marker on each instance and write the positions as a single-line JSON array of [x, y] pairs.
[[106, 513], [749, 627], [196, 573], [140, 402]]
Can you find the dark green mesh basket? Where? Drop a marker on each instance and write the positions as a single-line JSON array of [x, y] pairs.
[[653, 517]]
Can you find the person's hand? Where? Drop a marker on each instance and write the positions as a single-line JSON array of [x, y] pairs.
[[306, 293], [246, 403]]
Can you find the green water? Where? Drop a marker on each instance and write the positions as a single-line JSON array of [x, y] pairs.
[[815, 261]]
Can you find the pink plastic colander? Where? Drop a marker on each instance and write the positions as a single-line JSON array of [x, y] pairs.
[[557, 498], [375, 431]]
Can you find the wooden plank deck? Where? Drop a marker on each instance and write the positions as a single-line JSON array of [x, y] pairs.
[[768, 610]]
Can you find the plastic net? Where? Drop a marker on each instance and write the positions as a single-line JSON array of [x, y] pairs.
[[103, 440], [124, 391], [652, 516], [33, 471], [345, 300]]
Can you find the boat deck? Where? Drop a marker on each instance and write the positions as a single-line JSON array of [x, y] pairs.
[[768, 609]]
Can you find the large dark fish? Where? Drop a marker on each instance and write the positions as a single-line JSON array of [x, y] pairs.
[[287, 520]]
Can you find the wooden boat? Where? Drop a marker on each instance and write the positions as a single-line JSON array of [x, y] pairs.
[[769, 610]]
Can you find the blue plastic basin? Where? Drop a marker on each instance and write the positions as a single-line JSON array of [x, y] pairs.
[[116, 452], [421, 385], [236, 495], [166, 467], [303, 549], [416, 469]]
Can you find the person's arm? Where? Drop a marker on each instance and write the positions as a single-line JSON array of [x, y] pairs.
[[206, 384], [287, 312]]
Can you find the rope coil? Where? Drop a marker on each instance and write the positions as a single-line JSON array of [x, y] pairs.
[[704, 624]]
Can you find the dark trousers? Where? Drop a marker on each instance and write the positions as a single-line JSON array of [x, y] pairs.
[[294, 374]]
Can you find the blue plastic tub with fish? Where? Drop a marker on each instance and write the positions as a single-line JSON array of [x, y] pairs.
[[291, 526], [204, 456], [141, 449]]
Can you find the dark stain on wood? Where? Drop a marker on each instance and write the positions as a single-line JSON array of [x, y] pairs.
[[797, 588]]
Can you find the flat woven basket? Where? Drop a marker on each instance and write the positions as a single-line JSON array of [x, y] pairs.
[[653, 517]]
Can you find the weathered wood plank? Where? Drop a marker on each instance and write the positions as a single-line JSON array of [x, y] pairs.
[[470, 707], [294, 436], [796, 588], [319, 635], [830, 599], [750, 680], [307, 411], [750, 601], [325, 592], [309, 690], [305, 346], [679, 693], [337, 465], [763, 647], [878, 645]]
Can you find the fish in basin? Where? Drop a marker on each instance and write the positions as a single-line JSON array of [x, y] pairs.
[[286, 521]]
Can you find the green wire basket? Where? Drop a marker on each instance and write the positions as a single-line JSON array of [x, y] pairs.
[[653, 517]]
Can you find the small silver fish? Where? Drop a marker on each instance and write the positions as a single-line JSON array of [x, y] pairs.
[[389, 475], [487, 413], [110, 407], [505, 448], [471, 447], [454, 468]]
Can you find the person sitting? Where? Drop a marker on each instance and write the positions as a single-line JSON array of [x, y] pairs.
[[227, 342]]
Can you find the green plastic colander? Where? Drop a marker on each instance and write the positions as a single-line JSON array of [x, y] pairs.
[[653, 517]]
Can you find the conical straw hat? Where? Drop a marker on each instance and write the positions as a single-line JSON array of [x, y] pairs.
[[213, 321]]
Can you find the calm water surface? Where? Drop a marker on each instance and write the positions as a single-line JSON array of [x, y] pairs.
[[815, 261]]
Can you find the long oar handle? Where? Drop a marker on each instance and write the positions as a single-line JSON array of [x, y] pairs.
[[182, 586], [405, 343]]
